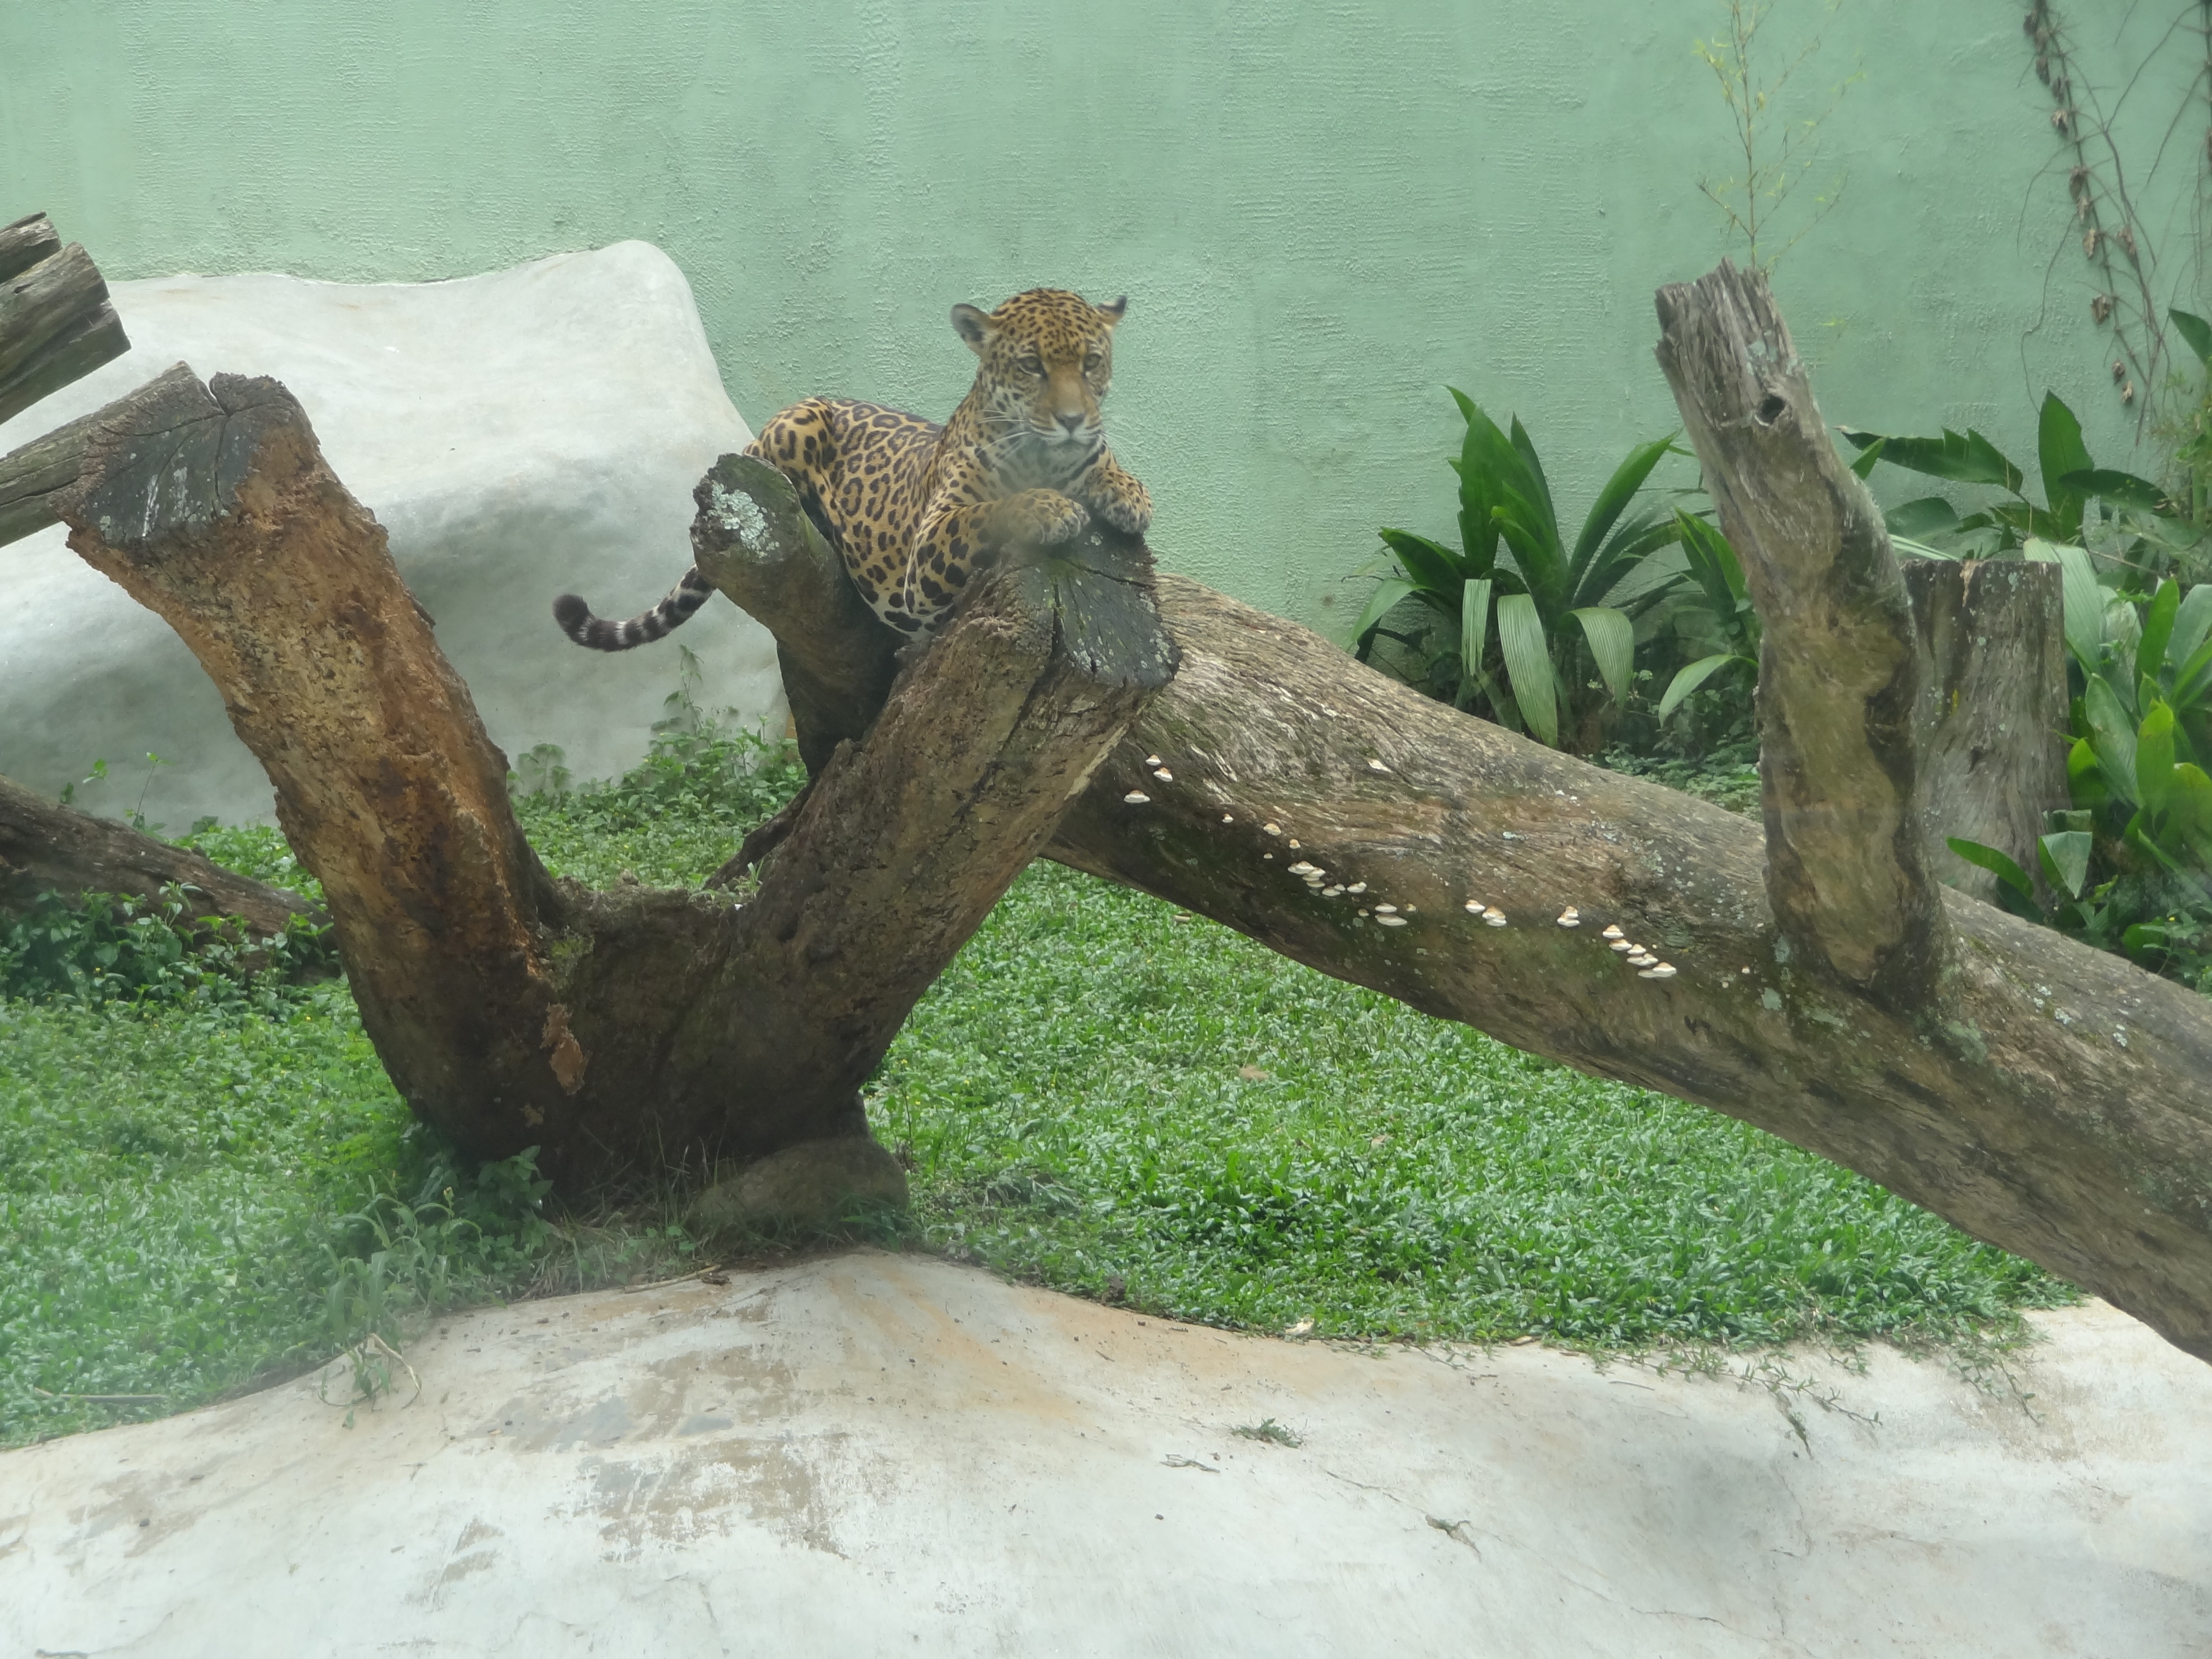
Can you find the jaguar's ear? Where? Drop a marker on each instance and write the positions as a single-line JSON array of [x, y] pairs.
[[1112, 313], [975, 327]]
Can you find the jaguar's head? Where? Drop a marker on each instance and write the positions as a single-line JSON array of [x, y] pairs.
[[1048, 358]]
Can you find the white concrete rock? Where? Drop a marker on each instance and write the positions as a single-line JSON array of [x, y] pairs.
[[519, 435], [888, 1455]]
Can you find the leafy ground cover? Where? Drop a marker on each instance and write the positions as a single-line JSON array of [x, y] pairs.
[[205, 1178]]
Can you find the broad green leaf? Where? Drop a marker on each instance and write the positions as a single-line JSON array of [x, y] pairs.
[[2123, 636], [1500, 471], [2059, 451], [1969, 459], [1650, 578], [2121, 489], [2137, 835], [1478, 493], [2196, 332], [1984, 540], [1613, 501], [2189, 800], [1689, 678], [2084, 599], [2192, 681], [1535, 555], [2085, 776], [1473, 626], [2142, 936], [1540, 495], [1931, 515], [2066, 859], [1388, 593], [1429, 564], [2113, 735], [2154, 759], [2158, 628], [1997, 863], [1613, 645], [1528, 666], [2189, 814], [1642, 535], [1869, 455], [1719, 574], [2192, 622]]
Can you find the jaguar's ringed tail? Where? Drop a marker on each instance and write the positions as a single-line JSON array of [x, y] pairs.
[[577, 621]]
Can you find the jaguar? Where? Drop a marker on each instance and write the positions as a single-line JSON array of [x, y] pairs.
[[916, 509]]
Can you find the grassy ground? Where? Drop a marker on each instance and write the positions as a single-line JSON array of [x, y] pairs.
[[203, 1184]]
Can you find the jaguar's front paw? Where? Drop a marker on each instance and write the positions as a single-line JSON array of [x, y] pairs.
[[1042, 518], [1128, 512]]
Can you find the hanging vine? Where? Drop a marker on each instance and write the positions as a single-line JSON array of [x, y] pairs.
[[2120, 254]]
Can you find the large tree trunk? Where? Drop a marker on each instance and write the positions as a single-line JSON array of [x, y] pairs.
[[636, 1027]]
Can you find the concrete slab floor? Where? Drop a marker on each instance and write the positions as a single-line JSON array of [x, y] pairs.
[[876, 1453]]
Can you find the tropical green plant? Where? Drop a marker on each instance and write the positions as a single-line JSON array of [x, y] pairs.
[[103, 947], [1552, 601], [1717, 580], [2137, 524]]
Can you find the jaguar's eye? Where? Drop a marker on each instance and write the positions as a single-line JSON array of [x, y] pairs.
[[1031, 365]]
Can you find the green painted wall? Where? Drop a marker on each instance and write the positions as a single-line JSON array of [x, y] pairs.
[[1321, 212]]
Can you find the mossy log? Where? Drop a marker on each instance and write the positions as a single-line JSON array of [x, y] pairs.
[[630, 1029]]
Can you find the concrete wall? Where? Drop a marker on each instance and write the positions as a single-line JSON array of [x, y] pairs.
[[1322, 212]]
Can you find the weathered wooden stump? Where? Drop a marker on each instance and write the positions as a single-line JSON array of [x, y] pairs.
[[1991, 718]]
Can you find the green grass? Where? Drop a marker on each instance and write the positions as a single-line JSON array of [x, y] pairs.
[[1075, 1100], [1102, 1095]]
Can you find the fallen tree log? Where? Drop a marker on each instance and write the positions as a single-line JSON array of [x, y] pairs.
[[49, 848], [629, 1030], [55, 322]]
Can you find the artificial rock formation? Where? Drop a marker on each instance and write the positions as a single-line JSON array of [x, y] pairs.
[[516, 433]]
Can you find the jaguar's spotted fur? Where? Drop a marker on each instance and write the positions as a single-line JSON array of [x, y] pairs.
[[915, 507]]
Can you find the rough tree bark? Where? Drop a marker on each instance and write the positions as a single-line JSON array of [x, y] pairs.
[[613, 1031]]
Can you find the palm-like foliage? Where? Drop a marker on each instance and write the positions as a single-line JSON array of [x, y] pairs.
[[2144, 526], [1719, 579], [1551, 599]]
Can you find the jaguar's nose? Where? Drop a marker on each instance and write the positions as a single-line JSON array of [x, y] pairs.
[[1073, 422]]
